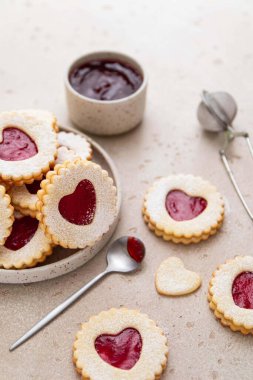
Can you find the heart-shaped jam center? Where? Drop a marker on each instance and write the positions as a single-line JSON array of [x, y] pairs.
[[135, 248], [182, 206], [122, 350], [34, 187], [16, 145], [242, 290], [80, 206], [23, 230]]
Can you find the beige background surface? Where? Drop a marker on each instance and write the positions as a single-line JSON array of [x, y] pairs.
[[185, 46]]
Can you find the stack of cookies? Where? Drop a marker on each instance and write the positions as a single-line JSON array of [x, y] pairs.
[[50, 191]]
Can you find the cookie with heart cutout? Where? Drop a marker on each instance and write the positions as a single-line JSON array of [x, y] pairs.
[[77, 204], [72, 146], [183, 209], [120, 344], [28, 145], [26, 246], [173, 279], [6, 215], [231, 294], [24, 198]]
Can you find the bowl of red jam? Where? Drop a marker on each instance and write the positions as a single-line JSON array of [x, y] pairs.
[[106, 93]]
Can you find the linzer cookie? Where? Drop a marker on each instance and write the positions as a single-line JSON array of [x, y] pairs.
[[6, 215], [24, 198], [28, 145], [183, 208], [77, 204], [231, 294], [26, 246], [120, 344], [72, 146], [173, 279]]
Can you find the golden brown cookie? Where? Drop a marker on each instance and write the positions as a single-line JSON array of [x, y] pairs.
[[77, 204], [231, 294], [120, 344], [183, 208], [6, 215], [28, 145], [26, 246]]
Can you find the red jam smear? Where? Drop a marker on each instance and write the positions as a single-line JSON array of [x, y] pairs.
[[23, 230], [122, 350], [105, 79], [242, 290], [16, 145], [34, 187], [182, 206], [79, 207], [136, 249]]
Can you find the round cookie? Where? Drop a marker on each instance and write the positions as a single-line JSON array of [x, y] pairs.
[[183, 208], [28, 145], [77, 204], [120, 344], [231, 294], [26, 246], [24, 198], [72, 146], [6, 215]]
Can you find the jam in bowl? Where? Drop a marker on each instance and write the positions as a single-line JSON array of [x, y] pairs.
[[106, 93]]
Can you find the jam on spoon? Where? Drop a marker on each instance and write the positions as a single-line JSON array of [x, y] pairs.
[[105, 79]]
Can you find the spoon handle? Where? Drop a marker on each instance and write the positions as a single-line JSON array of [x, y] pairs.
[[56, 311]]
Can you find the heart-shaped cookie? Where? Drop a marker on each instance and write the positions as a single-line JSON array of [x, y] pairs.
[[80, 206], [173, 279], [122, 350], [182, 206]]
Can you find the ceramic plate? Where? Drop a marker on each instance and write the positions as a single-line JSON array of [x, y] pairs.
[[65, 260]]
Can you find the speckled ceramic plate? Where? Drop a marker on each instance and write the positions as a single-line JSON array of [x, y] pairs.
[[65, 260]]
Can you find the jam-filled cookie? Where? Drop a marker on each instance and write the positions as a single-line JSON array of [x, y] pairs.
[[72, 146], [183, 208], [24, 198], [77, 203], [231, 294], [120, 344], [6, 215], [28, 145], [26, 246]]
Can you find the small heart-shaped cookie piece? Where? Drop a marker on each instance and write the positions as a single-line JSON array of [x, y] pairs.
[[173, 279]]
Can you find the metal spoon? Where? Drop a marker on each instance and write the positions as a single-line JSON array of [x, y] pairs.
[[216, 113], [124, 256]]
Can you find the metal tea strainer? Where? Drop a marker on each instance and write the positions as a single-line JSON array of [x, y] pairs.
[[216, 113]]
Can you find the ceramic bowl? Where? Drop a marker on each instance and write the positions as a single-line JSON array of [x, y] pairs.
[[108, 117]]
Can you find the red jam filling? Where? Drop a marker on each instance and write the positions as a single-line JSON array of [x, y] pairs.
[[136, 249], [122, 350], [23, 230], [105, 79], [16, 145], [80, 206], [182, 206], [242, 290], [34, 187]]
